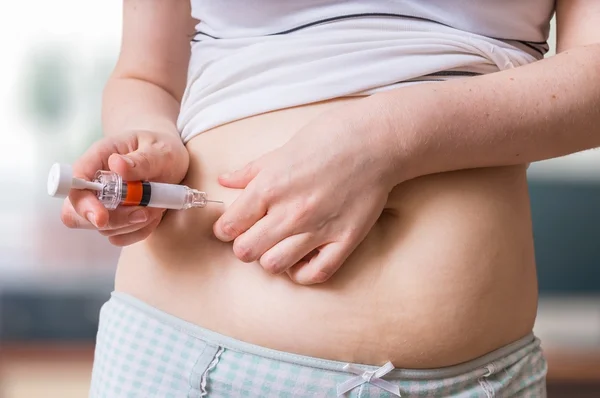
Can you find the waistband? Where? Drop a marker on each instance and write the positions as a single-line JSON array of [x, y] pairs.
[[497, 359]]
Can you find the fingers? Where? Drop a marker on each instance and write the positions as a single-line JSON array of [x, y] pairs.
[[87, 206], [96, 156], [134, 237], [243, 213], [71, 219], [122, 165], [135, 156], [131, 156], [239, 179], [84, 202], [123, 217], [322, 266], [262, 236], [151, 160], [123, 227], [129, 220], [287, 253]]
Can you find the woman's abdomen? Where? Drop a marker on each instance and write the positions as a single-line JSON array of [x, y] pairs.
[[446, 274]]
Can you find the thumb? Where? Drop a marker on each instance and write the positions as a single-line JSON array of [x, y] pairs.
[[240, 178], [145, 163]]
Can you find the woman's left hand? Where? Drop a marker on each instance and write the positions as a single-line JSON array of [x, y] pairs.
[[308, 204]]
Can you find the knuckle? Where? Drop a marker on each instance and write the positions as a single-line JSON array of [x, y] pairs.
[[229, 229], [101, 144], [161, 146], [303, 211], [251, 169], [69, 220], [351, 234], [268, 188], [243, 252], [163, 150], [311, 202], [130, 140], [144, 159], [270, 264], [96, 147], [299, 216]]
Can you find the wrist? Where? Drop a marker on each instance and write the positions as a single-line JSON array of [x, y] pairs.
[[395, 123], [180, 154], [172, 150]]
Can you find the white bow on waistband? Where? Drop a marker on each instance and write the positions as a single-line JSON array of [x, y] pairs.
[[370, 376]]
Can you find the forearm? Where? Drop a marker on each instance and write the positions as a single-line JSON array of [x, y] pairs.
[[131, 104], [543, 110]]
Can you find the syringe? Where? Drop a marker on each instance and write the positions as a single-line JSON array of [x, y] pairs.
[[112, 191]]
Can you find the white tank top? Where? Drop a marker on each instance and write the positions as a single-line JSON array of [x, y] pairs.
[[255, 56]]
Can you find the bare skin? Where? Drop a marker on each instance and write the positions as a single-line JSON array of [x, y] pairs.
[[447, 271], [445, 275]]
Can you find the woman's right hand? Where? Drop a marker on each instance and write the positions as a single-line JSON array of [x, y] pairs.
[[139, 155]]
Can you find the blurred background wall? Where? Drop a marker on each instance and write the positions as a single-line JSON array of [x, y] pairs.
[[56, 56]]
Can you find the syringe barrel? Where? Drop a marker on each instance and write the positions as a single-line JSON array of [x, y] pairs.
[[167, 196], [117, 192]]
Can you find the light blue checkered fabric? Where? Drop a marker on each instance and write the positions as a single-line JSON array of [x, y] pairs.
[[137, 356], [143, 352]]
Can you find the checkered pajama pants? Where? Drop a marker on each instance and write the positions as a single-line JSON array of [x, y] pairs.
[[142, 352]]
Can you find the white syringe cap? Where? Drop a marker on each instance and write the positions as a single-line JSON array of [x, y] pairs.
[[60, 180]]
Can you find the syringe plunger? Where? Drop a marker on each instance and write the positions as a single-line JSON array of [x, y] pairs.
[[61, 181]]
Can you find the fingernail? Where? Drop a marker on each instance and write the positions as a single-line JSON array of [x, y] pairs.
[[127, 160], [137, 217], [91, 218], [224, 231]]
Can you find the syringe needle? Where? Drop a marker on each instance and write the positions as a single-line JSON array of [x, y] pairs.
[[214, 201]]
